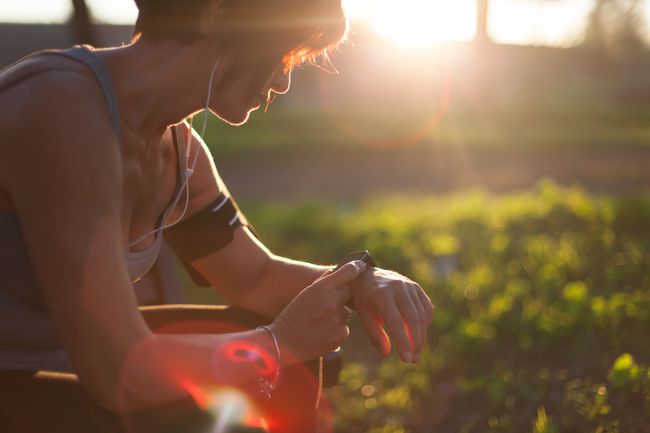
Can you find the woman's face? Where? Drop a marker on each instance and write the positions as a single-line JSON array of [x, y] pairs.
[[247, 91]]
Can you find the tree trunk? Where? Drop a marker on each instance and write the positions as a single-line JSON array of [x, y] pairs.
[[596, 34], [482, 17], [81, 25]]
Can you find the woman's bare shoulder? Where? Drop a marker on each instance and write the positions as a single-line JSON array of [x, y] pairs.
[[52, 118], [51, 90], [46, 95], [46, 86]]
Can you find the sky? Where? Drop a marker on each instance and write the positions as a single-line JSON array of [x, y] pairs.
[[559, 22]]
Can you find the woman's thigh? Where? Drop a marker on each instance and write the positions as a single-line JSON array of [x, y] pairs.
[[56, 403], [49, 402]]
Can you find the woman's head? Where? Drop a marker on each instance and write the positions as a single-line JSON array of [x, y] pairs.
[[256, 30], [261, 40]]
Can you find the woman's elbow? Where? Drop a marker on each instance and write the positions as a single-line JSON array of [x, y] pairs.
[[111, 378], [102, 383]]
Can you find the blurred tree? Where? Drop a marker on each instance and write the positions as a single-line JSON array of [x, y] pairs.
[[81, 23], [482, 35], [616, 27], [482, 18]]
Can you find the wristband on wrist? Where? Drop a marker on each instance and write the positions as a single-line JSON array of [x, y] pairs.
[[364, 256], [266, 384]]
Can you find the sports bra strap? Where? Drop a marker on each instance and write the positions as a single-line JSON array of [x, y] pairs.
[[87, 56]]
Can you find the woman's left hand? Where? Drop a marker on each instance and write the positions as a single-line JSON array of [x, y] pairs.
[[386, 298]]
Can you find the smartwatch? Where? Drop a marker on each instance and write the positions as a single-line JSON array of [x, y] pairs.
[[364, 256]]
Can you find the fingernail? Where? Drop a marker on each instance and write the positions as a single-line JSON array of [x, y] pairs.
[[360, 265], [408, 357]]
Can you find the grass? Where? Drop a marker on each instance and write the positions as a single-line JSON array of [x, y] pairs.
[[288, 133], [543, 308], [542, 296]]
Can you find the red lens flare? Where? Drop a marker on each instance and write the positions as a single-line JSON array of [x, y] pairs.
[[243, 352], [291, 409]]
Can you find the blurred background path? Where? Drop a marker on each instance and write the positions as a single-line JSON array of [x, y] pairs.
[[342, 176]]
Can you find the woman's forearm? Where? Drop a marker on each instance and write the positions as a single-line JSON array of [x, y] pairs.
[[162, 367], [248, 275], [166, 367], [279, 282]]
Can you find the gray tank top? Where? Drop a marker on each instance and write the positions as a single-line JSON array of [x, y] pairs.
[[28, 340]]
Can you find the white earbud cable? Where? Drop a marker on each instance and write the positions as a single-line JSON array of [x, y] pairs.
[[189, 168]]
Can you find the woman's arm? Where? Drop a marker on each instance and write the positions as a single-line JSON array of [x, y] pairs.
[[250, 276], [389, 305], [245, 272], [65, 179]]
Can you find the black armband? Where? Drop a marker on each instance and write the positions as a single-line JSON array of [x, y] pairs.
[[210, 230]]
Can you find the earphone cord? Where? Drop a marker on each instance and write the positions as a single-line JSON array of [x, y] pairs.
[[190, 168]]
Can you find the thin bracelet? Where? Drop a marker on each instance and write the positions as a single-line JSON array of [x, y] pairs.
[[267, 386]]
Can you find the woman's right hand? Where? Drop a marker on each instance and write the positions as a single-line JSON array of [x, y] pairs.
[[314, 322]]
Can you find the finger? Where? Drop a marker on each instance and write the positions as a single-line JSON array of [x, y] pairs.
[[343, 275], [422, 322], [397, 330], [349, 312], [336, 281], [323, 275], [342, 295], [426, 303], [411, 318], [326, 273], [345, 314], [344, 334], [375, 330]]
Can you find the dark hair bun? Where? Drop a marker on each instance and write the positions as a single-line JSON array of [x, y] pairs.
[[291, 30]]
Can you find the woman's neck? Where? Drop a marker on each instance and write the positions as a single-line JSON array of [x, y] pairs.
[[158, 84]]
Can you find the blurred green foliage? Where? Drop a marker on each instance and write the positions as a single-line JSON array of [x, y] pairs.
[[285, 132], [542, 308], [504, 97]]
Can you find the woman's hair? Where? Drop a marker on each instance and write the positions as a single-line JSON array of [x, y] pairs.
[[291, 30]]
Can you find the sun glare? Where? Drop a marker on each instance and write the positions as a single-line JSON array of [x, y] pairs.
[[417, 23]]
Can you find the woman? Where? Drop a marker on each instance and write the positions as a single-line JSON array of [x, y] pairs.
[[95, 161]]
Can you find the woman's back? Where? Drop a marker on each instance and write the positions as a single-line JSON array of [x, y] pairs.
[[27, 336], [22, 96]]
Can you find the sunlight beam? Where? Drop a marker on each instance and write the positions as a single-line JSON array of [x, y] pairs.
[[417, 23]]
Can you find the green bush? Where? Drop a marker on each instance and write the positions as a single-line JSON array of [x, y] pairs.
[[542, 309]]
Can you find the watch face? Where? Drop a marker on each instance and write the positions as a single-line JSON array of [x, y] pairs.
[[364, 256]]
